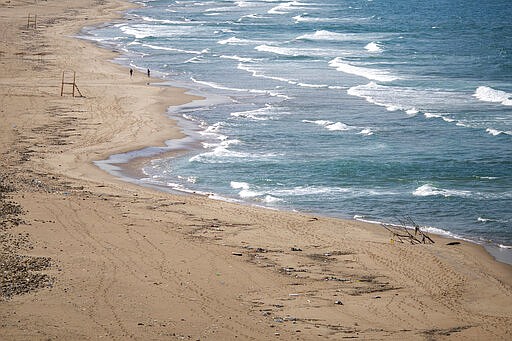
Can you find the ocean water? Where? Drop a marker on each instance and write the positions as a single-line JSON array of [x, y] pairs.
[[372, 110]]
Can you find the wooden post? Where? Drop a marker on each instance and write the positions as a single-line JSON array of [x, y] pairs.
[[74, 83], [31, 20], [66, 81], [62, 84]]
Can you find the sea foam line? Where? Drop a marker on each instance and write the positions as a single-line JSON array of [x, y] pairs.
[[372, 74], [171, 49], [295, 52], [329, 125], [261, 114], [238, 41], [222, 87], [287, 7], [259, 74], [431, 190], [326, 35]]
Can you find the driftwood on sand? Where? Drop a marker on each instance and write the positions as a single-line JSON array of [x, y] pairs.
[[403, 232]]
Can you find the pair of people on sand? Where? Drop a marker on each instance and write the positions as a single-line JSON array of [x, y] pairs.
[[131, 73]]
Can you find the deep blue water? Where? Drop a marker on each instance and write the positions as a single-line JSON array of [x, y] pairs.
[[366, 109]]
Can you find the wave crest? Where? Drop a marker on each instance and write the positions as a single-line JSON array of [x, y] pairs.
[[429, 190], [487, 94]]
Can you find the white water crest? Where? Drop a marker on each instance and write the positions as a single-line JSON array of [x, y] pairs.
[[429, 190], [259, 74], [366, 132], [496, 132], [373, 47], [487, 94], [238, 41], [326, 35], [329, 125], [222, 87], [171, 49], [296, 52], [261, 114], [371, 74], [287, 7]]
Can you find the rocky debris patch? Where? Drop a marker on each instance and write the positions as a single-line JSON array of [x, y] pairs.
[[19, 274]]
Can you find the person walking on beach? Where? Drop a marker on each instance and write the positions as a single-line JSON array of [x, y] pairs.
[[149, 74], [131, 73]]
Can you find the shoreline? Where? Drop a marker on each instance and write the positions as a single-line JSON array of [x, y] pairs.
[[131, 262], [130, 172]]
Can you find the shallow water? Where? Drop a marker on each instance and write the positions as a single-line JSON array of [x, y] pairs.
[[365, 109]]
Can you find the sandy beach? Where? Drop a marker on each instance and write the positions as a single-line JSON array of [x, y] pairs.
[[85, 255]]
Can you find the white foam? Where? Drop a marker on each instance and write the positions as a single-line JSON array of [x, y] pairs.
[[261, 114], [220, 152], [259, 74], [412, 111], [136, 32], [246, 193], [495, 132], [296, 52], [429, 190], [372, 74], [441, 232], [329, 125], [239, 185], [308, 190], [270, 199], [365, 220], [326, 35], [251, 16], [338, 126], [222, 87], [366, 132], [141, 31], [172, 49], [245, 4], [314, 86], [388, 97], [487, 94], [278, 50], [237, 58], [216, 9], [193, 60], [164, 21], [238, 41], [373, 47], [444, 118], [487, 177], [302, 18], [485, 220], [287, 7]]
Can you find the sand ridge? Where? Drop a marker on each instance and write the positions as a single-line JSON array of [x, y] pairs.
[[128, 262]]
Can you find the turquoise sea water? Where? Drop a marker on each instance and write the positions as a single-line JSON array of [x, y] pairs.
[[358, 109]]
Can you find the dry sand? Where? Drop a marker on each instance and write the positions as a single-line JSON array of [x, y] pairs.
[[97, 257]]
